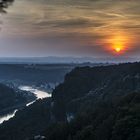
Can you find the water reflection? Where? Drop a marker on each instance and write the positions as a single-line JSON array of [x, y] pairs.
[[7, 116], [39, 94]]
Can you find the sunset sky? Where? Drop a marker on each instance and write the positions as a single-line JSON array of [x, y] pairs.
[[95, 28]]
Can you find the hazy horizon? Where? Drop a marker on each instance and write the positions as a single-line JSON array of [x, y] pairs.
[[68, 59]]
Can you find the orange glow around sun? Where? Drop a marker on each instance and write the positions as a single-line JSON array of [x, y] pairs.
[[118, 44]]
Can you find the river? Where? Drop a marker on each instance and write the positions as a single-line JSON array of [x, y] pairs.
[[38, 93]]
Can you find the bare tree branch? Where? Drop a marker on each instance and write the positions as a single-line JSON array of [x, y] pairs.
[[5, 4]]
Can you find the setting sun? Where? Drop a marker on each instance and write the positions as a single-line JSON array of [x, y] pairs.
[[118, 49], [118, 46], [119, 43]]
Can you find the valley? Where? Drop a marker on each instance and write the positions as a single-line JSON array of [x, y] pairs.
[[6, 115], [30, 82], [92, 103]]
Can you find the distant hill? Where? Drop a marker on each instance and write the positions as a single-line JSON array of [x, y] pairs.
[[64, 60], [99, 103], [33, 74], [37, 74]]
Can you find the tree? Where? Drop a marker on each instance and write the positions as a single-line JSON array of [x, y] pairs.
[[4, 4]]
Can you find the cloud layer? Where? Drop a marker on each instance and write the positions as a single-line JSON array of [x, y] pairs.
[[66, 25]]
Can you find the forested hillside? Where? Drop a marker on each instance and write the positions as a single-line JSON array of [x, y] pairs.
[[103, 121], [100, 103]]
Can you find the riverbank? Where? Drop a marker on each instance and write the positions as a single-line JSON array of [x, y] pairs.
[[9, 113], [10, 109]]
